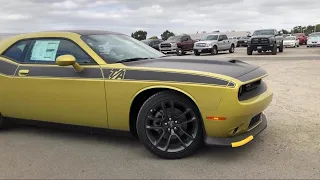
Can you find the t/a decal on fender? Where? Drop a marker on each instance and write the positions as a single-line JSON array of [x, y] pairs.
[[117, 74]]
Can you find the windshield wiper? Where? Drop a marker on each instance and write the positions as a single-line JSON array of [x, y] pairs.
[[132, 59]]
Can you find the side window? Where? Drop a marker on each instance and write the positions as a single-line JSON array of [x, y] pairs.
[[18, 51], [47, 50], [220, 37], [225, 37]]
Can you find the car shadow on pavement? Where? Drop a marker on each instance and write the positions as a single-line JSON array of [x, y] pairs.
[[119, 139]]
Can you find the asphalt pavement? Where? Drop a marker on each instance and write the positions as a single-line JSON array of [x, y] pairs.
[[288, 149]]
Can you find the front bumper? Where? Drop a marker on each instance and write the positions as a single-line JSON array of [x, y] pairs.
[[313, 45], [289, 45], [262, 47], [202, 49], [169, 50], [241, 139]]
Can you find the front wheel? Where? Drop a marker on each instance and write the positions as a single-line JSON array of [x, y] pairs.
[[169, 125], [249, 51], [180, 52], [196, 52], [214, 50], [281, 47], [274, 50], [231, 50]]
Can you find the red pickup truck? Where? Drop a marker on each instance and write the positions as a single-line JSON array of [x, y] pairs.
[[179, 45], [302, 38]]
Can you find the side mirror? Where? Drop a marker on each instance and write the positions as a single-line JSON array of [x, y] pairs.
[[249, 36], [67, 60]]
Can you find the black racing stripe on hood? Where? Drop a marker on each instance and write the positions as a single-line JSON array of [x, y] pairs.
[[232, 68], [7, 68], [165, 76]]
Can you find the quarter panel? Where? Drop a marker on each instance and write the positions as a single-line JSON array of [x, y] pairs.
[[120, 94]]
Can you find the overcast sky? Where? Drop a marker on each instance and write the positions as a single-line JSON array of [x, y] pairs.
[[155, 16]]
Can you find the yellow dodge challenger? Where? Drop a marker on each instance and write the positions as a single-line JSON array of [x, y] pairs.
[[109, 80]]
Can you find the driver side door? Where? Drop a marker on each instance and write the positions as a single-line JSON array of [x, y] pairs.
[[42, 90]]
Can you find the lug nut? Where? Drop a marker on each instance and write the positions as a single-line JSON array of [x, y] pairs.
[[176, 122], [169, 129], [165, 124], [170, 119], [175, 128]]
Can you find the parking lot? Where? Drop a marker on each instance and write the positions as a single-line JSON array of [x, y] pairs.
[[288, 149]]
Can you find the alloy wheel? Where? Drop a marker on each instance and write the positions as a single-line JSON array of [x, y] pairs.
[[171, 126]]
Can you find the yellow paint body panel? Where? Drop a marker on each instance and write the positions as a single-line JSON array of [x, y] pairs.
[[106, 102]]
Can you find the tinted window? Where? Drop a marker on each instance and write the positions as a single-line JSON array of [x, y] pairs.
[[17, 51], [47, 50]]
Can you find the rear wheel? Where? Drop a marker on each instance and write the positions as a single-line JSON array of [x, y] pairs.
[[169, 126], [249, 51]]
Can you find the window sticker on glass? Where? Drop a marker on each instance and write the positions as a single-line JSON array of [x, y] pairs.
[[104, 48], [45, 50]]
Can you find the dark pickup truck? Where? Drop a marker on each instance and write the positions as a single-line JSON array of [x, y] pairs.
[[265, 40], [177, 44]]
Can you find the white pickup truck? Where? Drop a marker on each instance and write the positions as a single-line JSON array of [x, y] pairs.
[[213, 43]]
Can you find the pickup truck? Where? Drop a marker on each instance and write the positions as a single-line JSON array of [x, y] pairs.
[[265, 40], [213, 43], [179, 45]]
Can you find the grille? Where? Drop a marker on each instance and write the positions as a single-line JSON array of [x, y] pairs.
[[254, 121], [260, 41], [165, 45], [201, 44]]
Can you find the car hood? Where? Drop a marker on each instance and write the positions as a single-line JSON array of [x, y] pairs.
[[314, 38], [262, 36], [232, 68], [208, 41]]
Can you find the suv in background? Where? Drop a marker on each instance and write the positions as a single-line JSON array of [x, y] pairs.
[[243, 41], [177, 44], [153, 43], [302, 38], [265, 40], [213, 43]]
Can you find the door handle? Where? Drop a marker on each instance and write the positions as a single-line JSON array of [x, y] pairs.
[[23, 72]]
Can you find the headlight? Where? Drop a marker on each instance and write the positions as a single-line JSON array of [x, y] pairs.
[[173, 44], [209, 45], [245, 41]]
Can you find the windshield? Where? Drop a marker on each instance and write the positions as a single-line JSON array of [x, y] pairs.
[[315, 35], [244, 38], [210, 37], [146, 41], [263, 32], [290, 38], [174, 38], [116, 47]]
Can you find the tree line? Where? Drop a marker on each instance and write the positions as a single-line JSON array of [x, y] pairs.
[[142, 35]]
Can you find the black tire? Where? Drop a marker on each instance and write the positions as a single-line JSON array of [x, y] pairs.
[[281, 47], [170, 129], [2, 122], [231, 50], [214, 50], [238, 45], [196, 52], [249, 51], [259, 51], [274, 49], [179, 52]]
